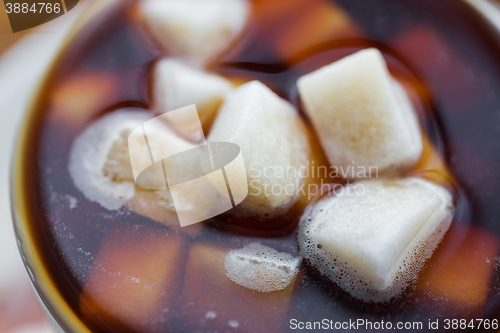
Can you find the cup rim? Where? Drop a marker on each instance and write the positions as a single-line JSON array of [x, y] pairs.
[[46, 290], [48, 294]]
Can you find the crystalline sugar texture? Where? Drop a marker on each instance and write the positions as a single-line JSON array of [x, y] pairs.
[[362, 116], [273, 142], [374, 237]]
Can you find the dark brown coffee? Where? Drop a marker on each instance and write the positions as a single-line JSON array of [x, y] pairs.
[[155, 278]]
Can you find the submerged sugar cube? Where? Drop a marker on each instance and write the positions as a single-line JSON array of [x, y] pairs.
[[135, 277], [462, 275], [159, 206], [261, 268], [199, 29], [177, 85], [76, 100], [212, 301], [314, 23], [362, 116], [274, 145], [373, 237]]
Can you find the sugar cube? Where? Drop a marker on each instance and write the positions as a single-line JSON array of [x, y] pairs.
[[177, 85], [273, 141], [373, 237], [200, 29], [362, 116], [136, 277]]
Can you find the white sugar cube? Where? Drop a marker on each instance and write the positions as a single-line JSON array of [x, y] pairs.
[[274, 145], [177, 85], [200, 29], [362, 116], [373, 237]]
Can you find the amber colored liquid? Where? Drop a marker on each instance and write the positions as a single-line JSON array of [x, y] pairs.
[[443, 54]]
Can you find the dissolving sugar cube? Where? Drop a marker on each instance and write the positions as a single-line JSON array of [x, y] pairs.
[[177, 85], [100, 166], [99, 161], [362, 116], [200, 29], [274, 145], [107, 181], [374, 236], [259, 267]]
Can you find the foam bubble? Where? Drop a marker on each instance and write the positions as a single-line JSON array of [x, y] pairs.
[[73, 202], [211, 315], [90, 153], [374, 244], [261, 268]]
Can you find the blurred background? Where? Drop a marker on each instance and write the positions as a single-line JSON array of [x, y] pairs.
[[24, 56]]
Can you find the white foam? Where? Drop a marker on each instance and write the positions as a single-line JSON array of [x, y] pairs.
[[90, 152], [361, 115], [200, 29], [211, 315], [100, 165], [374, 243], [272, 137], [73, 202], [261, 268]]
